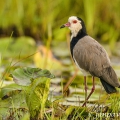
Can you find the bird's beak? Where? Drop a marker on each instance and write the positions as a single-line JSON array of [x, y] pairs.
[[66, 25]]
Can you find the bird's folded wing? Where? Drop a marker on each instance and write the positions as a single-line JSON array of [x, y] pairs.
[[91, 56]]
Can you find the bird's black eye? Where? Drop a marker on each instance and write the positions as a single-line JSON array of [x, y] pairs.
[[74, 21]]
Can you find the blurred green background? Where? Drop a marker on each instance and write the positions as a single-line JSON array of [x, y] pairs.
[[41, 19], [31, 29]]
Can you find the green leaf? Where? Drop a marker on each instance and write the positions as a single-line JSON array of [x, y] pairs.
[[24, 76], [6, 90], [36, 97], [13, 104]]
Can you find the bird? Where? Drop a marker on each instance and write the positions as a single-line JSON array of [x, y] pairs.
[[90, 57]]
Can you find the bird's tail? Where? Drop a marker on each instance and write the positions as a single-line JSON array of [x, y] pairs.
[[108, 88]]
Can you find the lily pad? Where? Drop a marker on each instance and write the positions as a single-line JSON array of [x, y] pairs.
[[24, 76]]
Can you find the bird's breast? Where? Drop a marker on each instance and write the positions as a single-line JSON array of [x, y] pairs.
[[84, 72]]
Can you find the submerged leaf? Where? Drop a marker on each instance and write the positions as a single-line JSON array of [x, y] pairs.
[[24, 76]]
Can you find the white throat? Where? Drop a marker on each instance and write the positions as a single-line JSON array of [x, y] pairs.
[[75, 31]]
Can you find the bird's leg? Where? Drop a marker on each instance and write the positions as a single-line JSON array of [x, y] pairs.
[[92, 90], [85, 84]]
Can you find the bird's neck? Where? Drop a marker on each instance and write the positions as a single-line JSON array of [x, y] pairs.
[[75, 39], [78, 34]]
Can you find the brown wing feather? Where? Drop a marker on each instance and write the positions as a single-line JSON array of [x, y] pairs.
[[92, 57]]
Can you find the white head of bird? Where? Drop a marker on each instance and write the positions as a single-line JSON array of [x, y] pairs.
[[75, 24]]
